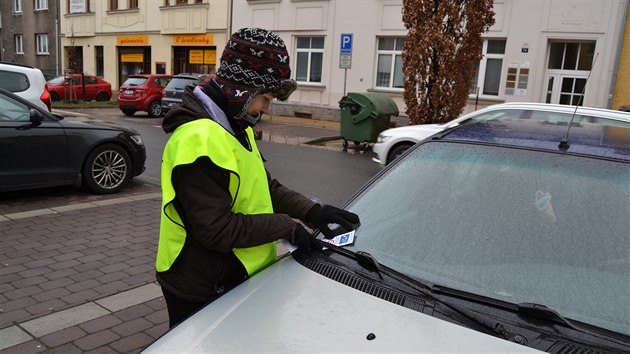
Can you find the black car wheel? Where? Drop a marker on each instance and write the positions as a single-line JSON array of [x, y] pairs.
[[155, 109], [102, 96], [107, 169], [397, 151], [128, 112]]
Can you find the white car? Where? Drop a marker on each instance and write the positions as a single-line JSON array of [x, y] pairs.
[[27, 82], [391, 143]]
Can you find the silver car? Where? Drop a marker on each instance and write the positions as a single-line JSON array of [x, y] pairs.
[[492, 237]]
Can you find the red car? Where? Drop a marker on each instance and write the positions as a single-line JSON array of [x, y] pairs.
[[142, 92], [79, 87]]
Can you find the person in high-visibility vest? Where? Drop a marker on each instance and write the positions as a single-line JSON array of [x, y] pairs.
[[222, 212]]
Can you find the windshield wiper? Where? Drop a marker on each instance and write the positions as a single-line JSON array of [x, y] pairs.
[[369, 262]]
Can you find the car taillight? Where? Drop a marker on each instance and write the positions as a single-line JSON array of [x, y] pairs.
[[45, 97]]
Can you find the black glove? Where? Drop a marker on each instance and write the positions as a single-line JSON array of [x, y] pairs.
[[303, 239], [320, 216]]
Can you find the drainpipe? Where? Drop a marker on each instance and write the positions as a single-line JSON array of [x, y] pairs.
[[57, 40], [619, 47]]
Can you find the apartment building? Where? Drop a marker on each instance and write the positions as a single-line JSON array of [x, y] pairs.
[[29, 32], [537, 50], [117, 38]]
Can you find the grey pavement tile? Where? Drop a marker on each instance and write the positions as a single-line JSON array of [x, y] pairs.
[[29, 214], [74, 207], [130, 343], [30, 347], [11, 317], [101, 323], [96, 340], [131, 297], [63, 319], [113, 201], [63, 336], [13, 336]]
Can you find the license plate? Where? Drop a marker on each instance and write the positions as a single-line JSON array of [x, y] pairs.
[[128, 92]]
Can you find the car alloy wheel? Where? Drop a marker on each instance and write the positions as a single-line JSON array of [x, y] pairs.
[[107, 169], [155, 110]]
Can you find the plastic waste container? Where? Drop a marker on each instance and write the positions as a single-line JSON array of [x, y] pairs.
[[364, 116]]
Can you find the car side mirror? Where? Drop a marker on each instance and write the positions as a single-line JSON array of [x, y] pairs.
[[36, 117]]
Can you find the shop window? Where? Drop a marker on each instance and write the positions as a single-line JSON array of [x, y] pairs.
[[389, 71], [113, 5]]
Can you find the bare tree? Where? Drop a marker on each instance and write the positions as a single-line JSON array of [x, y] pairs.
[[439, 55]]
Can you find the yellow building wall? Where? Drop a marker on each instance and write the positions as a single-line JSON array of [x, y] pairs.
[[621, 93]]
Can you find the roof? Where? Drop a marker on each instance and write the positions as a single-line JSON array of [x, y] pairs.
[[610, 141]]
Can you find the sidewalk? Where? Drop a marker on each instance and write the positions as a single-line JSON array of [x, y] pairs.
[[77, 270]]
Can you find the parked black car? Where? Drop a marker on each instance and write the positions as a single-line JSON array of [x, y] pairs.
[[174, 91], [40, 149]]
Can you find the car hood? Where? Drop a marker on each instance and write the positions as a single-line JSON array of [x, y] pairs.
[[83, 122], [418, 132], [290, 309]]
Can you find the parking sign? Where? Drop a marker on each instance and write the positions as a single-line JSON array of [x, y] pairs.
[[346, 43]]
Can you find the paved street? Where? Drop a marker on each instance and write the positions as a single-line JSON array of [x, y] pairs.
[[79, 277], [77, 269]]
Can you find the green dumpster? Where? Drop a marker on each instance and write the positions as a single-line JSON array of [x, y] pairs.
[[364, 116]]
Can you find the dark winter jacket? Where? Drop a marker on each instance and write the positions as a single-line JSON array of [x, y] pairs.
[[206, 264]]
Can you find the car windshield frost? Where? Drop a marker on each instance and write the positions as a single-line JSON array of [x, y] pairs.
[[510, 224]]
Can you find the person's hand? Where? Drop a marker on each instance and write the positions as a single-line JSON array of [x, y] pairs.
[[302, 238], [320, 216]]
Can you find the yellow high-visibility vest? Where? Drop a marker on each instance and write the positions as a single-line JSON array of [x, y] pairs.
[[248, 186]]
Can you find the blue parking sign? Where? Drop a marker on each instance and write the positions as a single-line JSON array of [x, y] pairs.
[[346, 43]]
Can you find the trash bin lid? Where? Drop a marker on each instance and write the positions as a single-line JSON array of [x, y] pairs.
[[377, 103]]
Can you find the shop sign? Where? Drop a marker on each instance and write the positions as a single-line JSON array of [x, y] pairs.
[[200, 56], [132, 40], [132, 58], [195, 56], [202, 39]]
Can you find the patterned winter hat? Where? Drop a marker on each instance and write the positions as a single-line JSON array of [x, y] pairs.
[[254, 61]]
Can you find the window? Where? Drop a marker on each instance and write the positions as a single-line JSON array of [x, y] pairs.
[[78, 6], [310, 54], [133, 4], [100, 60], [113, 5], [389, 72], [180, 2], [41, 41], [17, 6], [487, 78], [19, 44], [567, 71], [41, 4]]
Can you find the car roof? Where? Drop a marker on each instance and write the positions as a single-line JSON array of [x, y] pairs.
[[595, 139], [192, 76]]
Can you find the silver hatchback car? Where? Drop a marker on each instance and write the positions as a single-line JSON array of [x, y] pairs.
[[503, 236]]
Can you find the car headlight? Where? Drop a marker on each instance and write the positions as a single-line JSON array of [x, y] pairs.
[[382, 138], [137, 139]]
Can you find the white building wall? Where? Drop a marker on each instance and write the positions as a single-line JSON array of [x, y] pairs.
[[527, 25]]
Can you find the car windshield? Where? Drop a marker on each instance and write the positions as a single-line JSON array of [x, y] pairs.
[[511, 224], [179, 83], [135, 81], [56, 80]]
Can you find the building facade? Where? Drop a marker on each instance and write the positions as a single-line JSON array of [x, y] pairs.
[[117, 38], [29, 32], [537, 50]]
